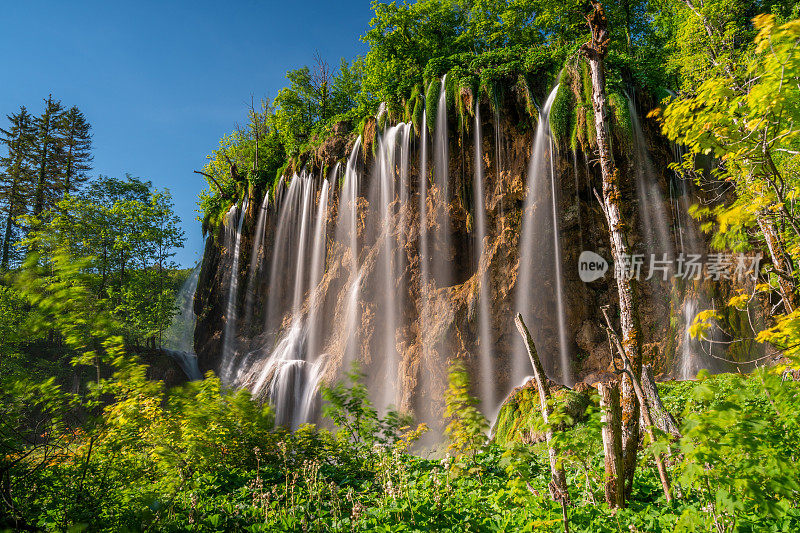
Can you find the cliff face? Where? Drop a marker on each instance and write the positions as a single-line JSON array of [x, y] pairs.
[[437, 322]]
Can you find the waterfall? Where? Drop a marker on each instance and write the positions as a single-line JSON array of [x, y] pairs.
[[424, 255], [498, 155], [229, 336], [179, 337], [442, 256], [655, 220], [563, 349], [300, 264], [317, 266], [487, 377], [540, 285], [347, 234], [283, 375], [255, 260], [693, 355], [577, 196], [388, 301], [180, 334], [284, 258]]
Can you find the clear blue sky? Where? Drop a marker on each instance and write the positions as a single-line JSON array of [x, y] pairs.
[[161, 82]]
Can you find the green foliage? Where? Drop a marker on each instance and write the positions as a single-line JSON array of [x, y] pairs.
[[621, 120], [123, 235], [467, 426], [739, 451], [352, 412], [747, 118]]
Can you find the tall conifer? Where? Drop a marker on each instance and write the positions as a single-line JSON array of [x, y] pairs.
[[48, 152], [76, 145], [16, 175]]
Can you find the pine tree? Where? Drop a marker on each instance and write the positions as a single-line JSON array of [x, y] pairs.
[[16, 174], [48, 153], [76, 144]]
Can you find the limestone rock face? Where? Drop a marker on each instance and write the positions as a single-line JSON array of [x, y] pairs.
[[431, 334]]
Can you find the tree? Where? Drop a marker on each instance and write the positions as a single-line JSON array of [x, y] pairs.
[[126, 233], [76, 139], [595, 52], [16, 176], [47, 153]]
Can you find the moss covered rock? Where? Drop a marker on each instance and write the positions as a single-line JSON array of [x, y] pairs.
[[520, 417]]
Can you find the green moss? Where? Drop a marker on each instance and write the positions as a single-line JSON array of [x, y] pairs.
[[586, 83], [573, 135], [591, 130], [525, 91], [621, 125], [520, 419], [561, 112], [416, 115], [491, 90], [432, 103]]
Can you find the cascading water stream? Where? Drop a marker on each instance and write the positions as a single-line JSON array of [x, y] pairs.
[[179, 338], [539, 282], [317, 265], [563, 350], [347, 234], [389, 298], [693, 355], [442, 258], [487, 377], [283, 261], [300, 268], [498, 156], [229, 338], [283, 374], [578, 213], [255, 260], [424, 257], [654, 218]]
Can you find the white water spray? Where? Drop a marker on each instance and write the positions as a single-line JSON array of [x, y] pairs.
[[487, 377]]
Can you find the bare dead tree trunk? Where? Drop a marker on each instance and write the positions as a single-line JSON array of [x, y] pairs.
[[662, 418], [558, 483], [627, 369], [612, 444], [595, 51]]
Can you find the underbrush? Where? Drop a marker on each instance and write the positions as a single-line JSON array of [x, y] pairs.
[[201, 458]]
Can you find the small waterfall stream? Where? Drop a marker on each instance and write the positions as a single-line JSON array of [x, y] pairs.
[[442, 264], [347, 234], [655, 220], [256, 257], [179, 337], [231, 310], [540, 283], [487, 377], [388, 303]]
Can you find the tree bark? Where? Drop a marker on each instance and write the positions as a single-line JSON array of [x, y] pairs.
[[627, 370], [612, 444], [662, 418], [780, 260], [595, 51], [558, 483]]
